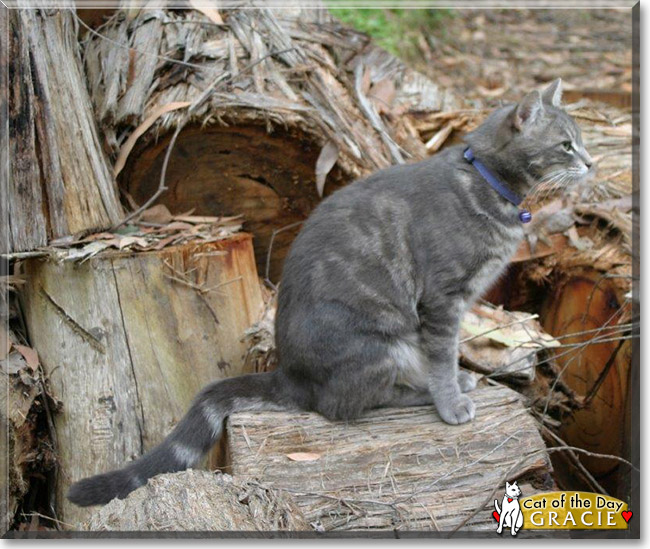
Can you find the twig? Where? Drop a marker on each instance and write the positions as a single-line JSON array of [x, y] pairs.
[[603, 374], [268, 253], [505, 477]]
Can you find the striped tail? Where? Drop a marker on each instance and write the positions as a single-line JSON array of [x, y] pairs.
[[194, 435]]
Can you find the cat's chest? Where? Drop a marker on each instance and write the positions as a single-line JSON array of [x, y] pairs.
[[492, 261]]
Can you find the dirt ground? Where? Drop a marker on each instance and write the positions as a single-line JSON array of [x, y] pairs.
[[489, 56]]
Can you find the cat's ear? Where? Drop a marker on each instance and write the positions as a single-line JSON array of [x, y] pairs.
[[553, 94], [507, 484], [529, 108]]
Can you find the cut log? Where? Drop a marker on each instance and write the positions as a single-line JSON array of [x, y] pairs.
[[261, 97], [128, 339], [199, 501], [60, 181], [597, 369], [394, 469]]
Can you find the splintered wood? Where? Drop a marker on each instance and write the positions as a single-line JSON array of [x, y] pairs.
[[275, 107], [393, 469]]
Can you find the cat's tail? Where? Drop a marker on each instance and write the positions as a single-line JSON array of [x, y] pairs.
[[496, 506], [192, 437]]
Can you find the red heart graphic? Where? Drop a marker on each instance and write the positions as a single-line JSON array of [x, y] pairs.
[[627, 515], [496, 516]]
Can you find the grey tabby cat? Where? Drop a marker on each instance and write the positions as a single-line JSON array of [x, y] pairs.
[[375, 286]]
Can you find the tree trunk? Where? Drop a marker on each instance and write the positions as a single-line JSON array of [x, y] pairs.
[[60, 181], [128, 339]]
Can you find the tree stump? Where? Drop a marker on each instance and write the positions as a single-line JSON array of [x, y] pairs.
[[60, 181], [393, 469], [127, 344], [275, 106]]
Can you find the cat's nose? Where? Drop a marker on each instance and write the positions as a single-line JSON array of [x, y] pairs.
[[586, 158]]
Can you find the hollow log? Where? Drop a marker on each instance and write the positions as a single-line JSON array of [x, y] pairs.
[[60, 182], [199, 501], [274, 104], [393, 469], [127, 341]]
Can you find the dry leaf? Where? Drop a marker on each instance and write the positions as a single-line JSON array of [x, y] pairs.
[[196, 218], [303, 456], [157, 214], [211, 13], [148, 122], [30, 355], [176, 226], [382, 94], [326, 160], [88, 251], [12, 364]]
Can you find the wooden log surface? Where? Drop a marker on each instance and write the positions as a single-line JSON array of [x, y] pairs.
[[199, 501], [393, 469], [60, 180], [127, 344]]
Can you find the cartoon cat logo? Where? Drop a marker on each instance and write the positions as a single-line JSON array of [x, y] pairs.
[[509, 515]]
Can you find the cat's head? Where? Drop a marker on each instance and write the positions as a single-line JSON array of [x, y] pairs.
[[535, 140], [512, 490]]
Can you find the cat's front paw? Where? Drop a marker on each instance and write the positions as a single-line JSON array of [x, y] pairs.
[[459, 411], [466, 381]]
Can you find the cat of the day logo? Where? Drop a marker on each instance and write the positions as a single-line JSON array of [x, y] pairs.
[[559, 511]]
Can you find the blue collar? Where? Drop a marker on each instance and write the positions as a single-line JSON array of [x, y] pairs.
[[524, 215]]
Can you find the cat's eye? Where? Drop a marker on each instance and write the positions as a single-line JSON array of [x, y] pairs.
[[567, 146]]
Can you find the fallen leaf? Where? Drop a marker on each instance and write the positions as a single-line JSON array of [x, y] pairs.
[[98, 236], [196, 218], [12, 364], [303, 456], [211, 13], [176, 226], [157, 214], [130, 240], [88, 251], [327, 158], [382, 94], [30, 355], [148, 122]]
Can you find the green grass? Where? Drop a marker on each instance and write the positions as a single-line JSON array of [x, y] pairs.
[[396, 30]]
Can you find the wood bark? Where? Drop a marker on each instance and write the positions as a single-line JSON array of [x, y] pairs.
[[60, 181], [393, 469], [266, 99], [127, 343], [199, 501]]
